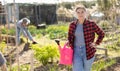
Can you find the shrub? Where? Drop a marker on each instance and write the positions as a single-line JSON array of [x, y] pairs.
[[12, 31], [3, 31], [32, 30], [35, 31], [2, 47], [45, 54], [104, 24], [58, 31], [8, 31]]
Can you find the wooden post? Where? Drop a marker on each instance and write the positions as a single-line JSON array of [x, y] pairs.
[[106, 53], [14, 17], [6, 15], [6, 18], [32, 62], [105, 50], [4, 11]]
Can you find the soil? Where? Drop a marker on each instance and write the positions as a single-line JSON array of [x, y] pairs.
[[55, 67], [24, 56]]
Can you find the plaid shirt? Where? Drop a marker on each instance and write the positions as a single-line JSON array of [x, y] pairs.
[[90, 28]]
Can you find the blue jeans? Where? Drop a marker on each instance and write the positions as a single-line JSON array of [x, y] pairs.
[[80, 62], [2, 59], [25, 32]]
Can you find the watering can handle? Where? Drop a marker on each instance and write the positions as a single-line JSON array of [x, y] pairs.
[[66, 45]]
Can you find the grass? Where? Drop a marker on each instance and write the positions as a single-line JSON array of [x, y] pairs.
[[97, 66], [22, 68]]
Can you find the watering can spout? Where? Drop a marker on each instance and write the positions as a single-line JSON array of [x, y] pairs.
[[57, 41]]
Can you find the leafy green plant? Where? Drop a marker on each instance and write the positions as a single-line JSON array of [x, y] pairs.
[[104, 24], [57, 31], [45, 54], [3, 31], [11, 31], [2, 47], [36, 32], [32, 30], [8, 31]]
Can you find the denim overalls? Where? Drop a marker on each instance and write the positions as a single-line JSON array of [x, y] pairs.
[[80, 63]]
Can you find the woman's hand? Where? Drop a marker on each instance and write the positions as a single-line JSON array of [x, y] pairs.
[[93, 45], [68, 44]]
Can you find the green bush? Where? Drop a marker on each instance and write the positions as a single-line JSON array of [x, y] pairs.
[[8, 31], [104, 24], [32, 30], [2, 47], [53, 31], [57, 31], [11, 31], [35, 32], [46, 53], [3, 31]]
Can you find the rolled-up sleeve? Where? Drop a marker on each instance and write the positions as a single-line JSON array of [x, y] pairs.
[[99, 32]]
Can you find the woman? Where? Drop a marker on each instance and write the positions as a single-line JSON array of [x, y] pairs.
[[22, 26], [81, 37]]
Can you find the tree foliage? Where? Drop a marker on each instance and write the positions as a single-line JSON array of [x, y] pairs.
[[106, 6]]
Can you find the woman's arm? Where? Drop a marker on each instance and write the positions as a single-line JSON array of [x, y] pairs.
[[100, 34]]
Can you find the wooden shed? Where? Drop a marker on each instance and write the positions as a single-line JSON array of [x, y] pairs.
[[40, 13]]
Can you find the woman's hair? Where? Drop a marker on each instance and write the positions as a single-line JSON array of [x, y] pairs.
[[80, 7], [26, 20], [76, 8]]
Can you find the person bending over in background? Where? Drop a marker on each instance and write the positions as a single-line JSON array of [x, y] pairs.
[[22, 26]]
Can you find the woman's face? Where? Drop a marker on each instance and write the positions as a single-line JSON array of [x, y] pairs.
[[81, 13], [24, 24]]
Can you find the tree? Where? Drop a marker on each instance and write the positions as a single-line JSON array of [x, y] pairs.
[[109, 8], [104, 6]]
